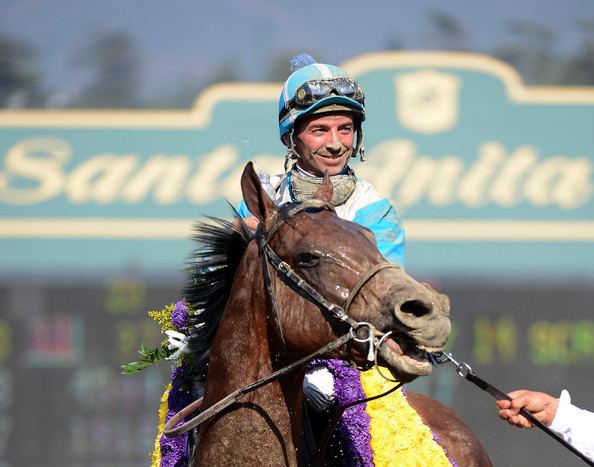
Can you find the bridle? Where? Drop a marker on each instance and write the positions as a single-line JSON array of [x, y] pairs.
[[337, 313], [333, 312]]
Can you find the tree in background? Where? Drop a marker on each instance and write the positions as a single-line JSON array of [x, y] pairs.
[[114, 65], [530, 49], [19, 77], [227, 70], [395, 42], [579, 68], [446, 32], [109, 67]]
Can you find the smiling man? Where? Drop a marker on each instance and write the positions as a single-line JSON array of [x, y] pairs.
[[325, 142], [321, 113]]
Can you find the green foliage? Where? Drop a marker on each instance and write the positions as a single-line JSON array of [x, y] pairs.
[[149, 357]]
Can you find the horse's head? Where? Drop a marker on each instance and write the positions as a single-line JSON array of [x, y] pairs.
[[340, 260]]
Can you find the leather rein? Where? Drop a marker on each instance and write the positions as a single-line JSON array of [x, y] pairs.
[[332, 311], [465, 371]]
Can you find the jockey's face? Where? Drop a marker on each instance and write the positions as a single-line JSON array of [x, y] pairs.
[[324, 142]]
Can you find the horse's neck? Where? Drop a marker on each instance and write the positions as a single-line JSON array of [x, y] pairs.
[[257, 430]]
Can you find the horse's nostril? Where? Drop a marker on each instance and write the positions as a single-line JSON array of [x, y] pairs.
[[416, 308]]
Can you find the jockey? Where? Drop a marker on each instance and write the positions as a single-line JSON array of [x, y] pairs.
[[315, 101], [321, 113]]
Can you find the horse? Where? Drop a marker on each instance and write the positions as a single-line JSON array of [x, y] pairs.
[[271, 298]]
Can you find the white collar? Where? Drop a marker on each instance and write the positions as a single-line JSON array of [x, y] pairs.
[[305, 172]]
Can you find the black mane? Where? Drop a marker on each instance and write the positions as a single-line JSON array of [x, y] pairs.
[[212, 267]]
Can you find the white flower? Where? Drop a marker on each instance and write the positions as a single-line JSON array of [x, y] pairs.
[[176, 340]]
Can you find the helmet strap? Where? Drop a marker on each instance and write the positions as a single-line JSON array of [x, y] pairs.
[[291, 155], [359, 147]]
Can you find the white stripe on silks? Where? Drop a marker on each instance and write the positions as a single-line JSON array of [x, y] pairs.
[[324, 70]]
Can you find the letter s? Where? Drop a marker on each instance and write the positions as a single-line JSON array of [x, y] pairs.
[[37, 160]]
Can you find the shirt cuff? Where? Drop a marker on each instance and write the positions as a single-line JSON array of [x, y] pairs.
[[562, 421]]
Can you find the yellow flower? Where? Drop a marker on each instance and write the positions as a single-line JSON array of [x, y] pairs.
[[398, 435], [156, 455], [163, 317]]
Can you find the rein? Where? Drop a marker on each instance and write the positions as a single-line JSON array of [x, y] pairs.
[[171, 430], [465, 371], [334, 311], [268, 255], [321, 451]]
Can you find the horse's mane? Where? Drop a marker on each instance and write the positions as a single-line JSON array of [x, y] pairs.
[[212, 267]]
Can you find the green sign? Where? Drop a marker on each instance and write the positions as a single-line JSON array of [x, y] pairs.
[[491, 177]]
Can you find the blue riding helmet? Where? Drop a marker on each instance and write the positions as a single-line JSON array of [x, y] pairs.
[[314, 87]]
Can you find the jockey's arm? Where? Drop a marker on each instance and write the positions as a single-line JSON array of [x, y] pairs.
[[382, 219]]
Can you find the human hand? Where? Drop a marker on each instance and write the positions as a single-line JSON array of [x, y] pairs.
[[539, 404]]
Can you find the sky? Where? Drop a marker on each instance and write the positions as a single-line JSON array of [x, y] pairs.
[[180, 38]]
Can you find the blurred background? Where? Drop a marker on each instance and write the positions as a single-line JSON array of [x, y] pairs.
[[73, 306]]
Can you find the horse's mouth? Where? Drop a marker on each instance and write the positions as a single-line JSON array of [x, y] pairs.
[[405, 357]]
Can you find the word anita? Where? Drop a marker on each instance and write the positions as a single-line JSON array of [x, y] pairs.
[[38, 170]]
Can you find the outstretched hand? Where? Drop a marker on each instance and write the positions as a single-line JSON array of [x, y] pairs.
[[541, 405]]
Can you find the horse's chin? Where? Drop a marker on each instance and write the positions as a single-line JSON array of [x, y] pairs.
[[405, 361]]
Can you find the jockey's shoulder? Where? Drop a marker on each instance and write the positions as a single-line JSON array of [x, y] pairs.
[[273, 179], [365, 191]]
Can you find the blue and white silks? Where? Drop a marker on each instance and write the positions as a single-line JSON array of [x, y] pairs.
[[365, 207]]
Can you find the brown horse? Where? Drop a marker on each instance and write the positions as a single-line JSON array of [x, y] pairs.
[[264, 325]]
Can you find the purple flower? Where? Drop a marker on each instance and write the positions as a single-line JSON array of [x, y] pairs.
[[174, 450], [179, 315], [352, 431]]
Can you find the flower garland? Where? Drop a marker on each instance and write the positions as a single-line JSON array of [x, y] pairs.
[[169, 452], [385, 432]]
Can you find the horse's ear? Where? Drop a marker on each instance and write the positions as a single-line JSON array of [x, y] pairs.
[[256, 199], [326, 190]]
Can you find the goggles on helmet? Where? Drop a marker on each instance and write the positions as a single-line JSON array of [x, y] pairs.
[[313, 91]]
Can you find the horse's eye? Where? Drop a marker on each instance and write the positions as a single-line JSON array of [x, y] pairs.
[[308, 260]]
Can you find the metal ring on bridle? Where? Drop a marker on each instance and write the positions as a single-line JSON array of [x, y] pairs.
[[369, 339], [463, 369], [377, 348], [369, 327]]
